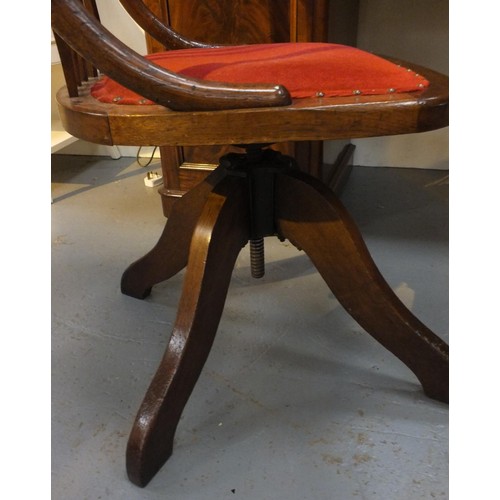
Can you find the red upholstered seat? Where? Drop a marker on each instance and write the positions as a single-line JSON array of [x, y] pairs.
[[305, 69]]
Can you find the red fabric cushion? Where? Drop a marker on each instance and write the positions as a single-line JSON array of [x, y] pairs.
[[305, 69]]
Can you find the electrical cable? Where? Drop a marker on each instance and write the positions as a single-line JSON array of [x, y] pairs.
[[150, 159]]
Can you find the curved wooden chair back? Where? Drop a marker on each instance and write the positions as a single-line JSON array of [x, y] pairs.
[[74, 23], [77, 70]]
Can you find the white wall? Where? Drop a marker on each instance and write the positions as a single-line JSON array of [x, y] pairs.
[[417, 31], [116, 20]]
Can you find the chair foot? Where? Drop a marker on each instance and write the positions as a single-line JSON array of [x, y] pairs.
[[221, 232], [170, 254], [311, 217]]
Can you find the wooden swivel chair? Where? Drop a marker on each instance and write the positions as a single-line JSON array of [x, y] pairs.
[[251, 195]]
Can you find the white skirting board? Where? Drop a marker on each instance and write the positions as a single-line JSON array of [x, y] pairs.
[[78, 147]]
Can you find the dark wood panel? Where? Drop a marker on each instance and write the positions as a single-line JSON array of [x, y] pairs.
[[231, 22]]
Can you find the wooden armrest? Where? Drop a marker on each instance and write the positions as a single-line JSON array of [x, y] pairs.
[[96, 44], [153, 25]]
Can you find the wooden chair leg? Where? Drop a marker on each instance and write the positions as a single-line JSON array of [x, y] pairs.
[[221, 232], [311, 217], [170, 254]]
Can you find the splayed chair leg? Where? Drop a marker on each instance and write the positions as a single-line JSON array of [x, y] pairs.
[[311, 217], [170, 254], [221, 232]]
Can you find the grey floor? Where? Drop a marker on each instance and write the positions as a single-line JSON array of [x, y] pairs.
[[295, 402]]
